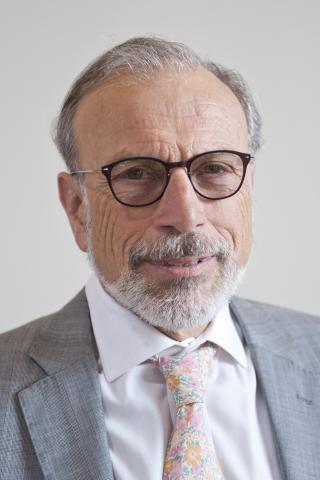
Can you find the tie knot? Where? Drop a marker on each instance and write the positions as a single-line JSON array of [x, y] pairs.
[[187, 375]]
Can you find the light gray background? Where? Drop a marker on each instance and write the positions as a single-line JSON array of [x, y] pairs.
[[44, 44]]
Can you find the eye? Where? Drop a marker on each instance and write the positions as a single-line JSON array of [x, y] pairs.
[[214, 168], [134, 173]]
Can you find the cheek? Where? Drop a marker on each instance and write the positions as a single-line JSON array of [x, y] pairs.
[[114, 230], [245, 229], [233, 220]]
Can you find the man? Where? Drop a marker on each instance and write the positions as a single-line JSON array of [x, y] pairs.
[[160, 150]]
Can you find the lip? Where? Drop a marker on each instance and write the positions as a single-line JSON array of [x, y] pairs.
[[180, 267]]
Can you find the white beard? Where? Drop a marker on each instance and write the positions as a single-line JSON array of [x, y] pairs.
[[173, 304], [185, 303]]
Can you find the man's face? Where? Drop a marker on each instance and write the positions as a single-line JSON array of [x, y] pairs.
[[173, 118]]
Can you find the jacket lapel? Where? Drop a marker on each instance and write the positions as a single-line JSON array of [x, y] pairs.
[[63, 411], [290, 384]]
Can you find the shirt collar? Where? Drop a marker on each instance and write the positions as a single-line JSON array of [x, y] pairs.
[[223, 333], [124, 341]]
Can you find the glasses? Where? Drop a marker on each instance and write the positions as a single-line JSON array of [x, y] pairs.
[[141, 181]]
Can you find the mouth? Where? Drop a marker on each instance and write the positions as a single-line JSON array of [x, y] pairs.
[[181, 262], [187, 266]]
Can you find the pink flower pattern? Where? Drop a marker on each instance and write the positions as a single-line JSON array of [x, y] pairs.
[[190, 454]]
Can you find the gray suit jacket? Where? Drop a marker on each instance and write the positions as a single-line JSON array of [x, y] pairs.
[[51, 415]]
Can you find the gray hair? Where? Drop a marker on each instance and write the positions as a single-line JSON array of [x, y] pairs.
[[142, 57]]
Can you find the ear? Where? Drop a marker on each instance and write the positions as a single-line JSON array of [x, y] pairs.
[[72, 200]]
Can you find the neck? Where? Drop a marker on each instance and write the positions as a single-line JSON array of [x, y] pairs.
[[182, 334]]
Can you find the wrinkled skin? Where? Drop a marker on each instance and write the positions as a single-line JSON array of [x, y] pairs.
[[173, 117]]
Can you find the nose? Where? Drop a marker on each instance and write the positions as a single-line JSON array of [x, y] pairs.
[[180, 210]]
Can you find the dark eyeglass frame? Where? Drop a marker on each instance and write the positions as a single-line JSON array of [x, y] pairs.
[[107, 169]]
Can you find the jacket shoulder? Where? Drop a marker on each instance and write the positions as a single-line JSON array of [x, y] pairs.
[[15, 345], [285, 332], [19, 339], [259, 311]]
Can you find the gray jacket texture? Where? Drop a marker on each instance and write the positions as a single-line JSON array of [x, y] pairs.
[[51, 414]]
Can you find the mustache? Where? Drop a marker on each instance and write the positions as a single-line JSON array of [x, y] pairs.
[[176, 246]]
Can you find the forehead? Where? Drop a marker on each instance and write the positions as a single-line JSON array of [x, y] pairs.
[[187, 111]]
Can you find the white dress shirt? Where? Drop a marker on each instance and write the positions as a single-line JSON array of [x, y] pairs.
[[140, 411]]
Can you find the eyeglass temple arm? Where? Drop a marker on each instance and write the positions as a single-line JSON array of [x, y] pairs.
[[74, 172]]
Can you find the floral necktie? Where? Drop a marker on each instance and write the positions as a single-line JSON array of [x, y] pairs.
[[190, 453]]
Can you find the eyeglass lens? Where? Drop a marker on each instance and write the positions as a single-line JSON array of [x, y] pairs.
[[141, 181]]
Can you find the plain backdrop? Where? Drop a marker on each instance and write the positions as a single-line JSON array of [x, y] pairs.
[[44, 45]]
